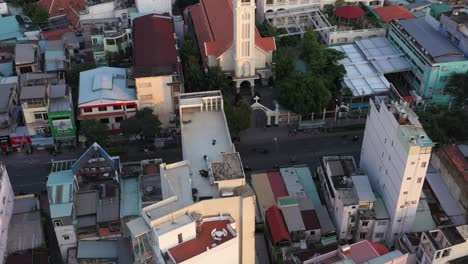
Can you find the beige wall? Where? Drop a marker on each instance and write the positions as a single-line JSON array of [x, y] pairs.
[[153, 92], [242, 211], [171, 239]]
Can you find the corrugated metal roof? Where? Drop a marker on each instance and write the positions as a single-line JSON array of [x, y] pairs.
[[100, 249], [440, 48], [31, 92], [293, 218], [277, 184], [279, 231], [138, 227], [131, 197], [85, 203], [10, 28], [60, 178], [265, 196], [309, 186], [60, 210], [363, 189], [25, 53], [57, 91], [105, 83]]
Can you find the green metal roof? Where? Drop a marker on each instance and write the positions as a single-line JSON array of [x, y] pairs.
[[387, 258], [287, 201], [131, 197], [60, 210], [309, 186], [441, 8], [328, 240], [60, 178]]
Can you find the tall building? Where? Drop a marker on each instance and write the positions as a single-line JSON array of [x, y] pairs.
[[445, 245], [207, 212], [227, 37], [6, 209], [395, 155]]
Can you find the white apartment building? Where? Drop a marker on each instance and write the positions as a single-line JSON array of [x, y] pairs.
[[207, 214], [350, 200], [395, 155], [443, 246], [6, 210]]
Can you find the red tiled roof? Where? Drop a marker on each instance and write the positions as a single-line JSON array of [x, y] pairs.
[[155, 46], [388, 13], [408, 99], [380, 248], [279, 231], [457, 159], [278, 187], [213, 22], [349, 12], [363, 251], [198, 245], [56, 34], [69, 8]]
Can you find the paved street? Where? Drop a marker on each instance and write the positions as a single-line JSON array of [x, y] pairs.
[[307, 148]]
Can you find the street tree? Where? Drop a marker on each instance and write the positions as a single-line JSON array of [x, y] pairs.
[[238, 117], [457, 87], [144, 123], [94, 131], [190, 59], [304, 93], [285, 63], [215, 79]]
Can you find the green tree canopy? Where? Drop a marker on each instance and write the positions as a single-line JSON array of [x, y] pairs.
[[143, 123], [191, 60], [457, 87], [304, 93], [285, 63], [238, 117], [94, 131], [215, 79]]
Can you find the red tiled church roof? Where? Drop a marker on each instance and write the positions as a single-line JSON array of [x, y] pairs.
[[155, 46], [388, 13], [279, 231], [70, 8], [213, 21]]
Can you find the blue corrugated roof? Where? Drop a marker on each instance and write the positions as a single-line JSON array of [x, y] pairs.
[[60, 178], [54, 54], [105, 83], [309, 187], [440, 48], [61, 210], [131, 198], [10, 29]]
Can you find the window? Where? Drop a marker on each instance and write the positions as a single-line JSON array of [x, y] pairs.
[[58, 222], [269, 2], [110, 41], [381, 223], [385, 141], [87, 110], [365, 223], [412, 163], [352, 219], [405, 192], [446, 68], [423, 165], [179, 236], [419, 179], [446, 253], [95, 41], [408, 179], [131, 106], [401, 207], [66, 237], [382, 154], [105, 120], [117, 107], [118, 119], [362, 235], [102, 109], [41, 116]]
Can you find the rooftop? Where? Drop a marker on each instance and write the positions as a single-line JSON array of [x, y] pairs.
[[60, 177], [38, 78], [12, 27], [229, 168], [25, 231], [131, 197], [277, 184], [61, 210], [5, 95], [457, 158], [118, 250], [155, 46], [291, 180], [363, 188], [389, 13], [293, 218], [203, 241], [105, 83], [366, 63], [439, 48], [263, 191], [25, 53], [338, 171], [33, 92], [310, 219], [277, 225], [69, 8], [213, 22]]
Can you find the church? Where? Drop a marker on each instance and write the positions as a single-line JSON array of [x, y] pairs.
[[226, 35]]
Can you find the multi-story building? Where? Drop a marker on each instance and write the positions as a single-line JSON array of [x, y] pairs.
[[8, 197], [55, 59], [157, 68], [207, 212], [27, 58], [17, 28], [227, 37], [454, 27], [9, 98], [395, 155], [7, 59], [84, 197], [433, 57], [351, 201], [60, 114], [105, 95], [154, 6], [110, 43], [443, 246]]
